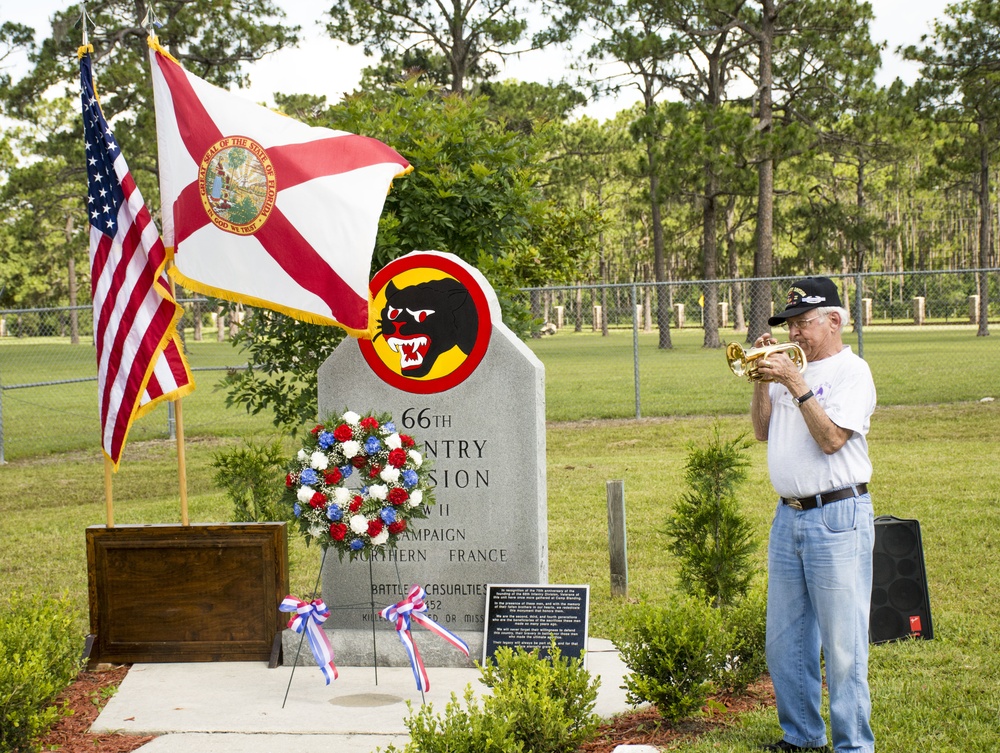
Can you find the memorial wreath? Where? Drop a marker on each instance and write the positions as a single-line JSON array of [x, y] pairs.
[[356, 483]]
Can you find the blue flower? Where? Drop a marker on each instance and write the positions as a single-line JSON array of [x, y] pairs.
[[346, 470], [373, 446], [410, 478], [334, 513], [326, 440], [357, 544], [297, 509], [308, 477], [388, 515], [390, 427]]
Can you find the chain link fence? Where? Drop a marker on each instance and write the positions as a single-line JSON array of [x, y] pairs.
[[48, 381], [48, 371], [873, 299]]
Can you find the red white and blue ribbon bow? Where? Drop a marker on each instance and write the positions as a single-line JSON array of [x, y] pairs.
[[413, 608], [309, 616]]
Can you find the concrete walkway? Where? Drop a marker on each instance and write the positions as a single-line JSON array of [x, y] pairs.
[[237, 707]]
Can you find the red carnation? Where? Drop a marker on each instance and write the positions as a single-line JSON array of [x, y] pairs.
[[376, 469], [317, 429], [355, 503], [397, 458], [375, 527], [407, 440], [370, 423], [398, 527], [334, 477], [398, 495], [317, 501], [343, 432], [338, 531], [359, 461], [289, 481]]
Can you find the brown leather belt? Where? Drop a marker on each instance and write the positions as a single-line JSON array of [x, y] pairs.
[[808, 503]]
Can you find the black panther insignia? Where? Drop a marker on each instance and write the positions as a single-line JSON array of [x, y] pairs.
[[421, 322]]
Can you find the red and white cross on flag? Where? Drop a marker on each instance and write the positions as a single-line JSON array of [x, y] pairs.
[[262, 209]]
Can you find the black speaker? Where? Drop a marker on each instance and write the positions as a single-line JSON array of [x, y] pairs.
[[901, 606]]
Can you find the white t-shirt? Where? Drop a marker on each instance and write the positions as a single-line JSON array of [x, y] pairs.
[[843, 385]]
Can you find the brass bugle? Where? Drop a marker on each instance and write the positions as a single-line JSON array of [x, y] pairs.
[[744, 363]]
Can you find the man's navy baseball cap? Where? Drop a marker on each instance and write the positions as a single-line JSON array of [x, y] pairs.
[[808, 294]]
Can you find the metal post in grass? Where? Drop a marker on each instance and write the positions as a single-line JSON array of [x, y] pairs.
[[617, 547], [3, 460], [635, 352], [859, 317]]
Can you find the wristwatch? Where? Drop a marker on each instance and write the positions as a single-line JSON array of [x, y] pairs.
[[799, 400]]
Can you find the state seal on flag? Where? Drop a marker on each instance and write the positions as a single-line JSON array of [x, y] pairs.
[[237, 184], [434, 323]]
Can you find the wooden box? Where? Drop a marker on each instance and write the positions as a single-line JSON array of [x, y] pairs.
[[172, 593]]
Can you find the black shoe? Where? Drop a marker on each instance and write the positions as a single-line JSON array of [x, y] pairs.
[[787, 746]]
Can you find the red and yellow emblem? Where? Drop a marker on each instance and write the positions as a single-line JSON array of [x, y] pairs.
[[237, 185], [433, 327]]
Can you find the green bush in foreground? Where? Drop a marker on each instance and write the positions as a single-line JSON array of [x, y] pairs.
[[679, 653], [541, 705], [674, 654], [40, 654]]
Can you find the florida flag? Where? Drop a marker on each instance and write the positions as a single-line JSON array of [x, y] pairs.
[[262, 209]]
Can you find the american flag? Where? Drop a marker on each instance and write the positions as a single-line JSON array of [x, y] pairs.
[[139, 359]]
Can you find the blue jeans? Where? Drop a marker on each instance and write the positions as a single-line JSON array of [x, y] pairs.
[[819, 595]]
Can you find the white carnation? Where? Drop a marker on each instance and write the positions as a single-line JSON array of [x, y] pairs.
[[393, 442], [319, 460], [302, 456], [342, 496], [316, 531], [389, 474], [351, 417], [359, 524], [304, 494], [416, 458], [381, 538], [351, 448], [416, 497], [378, 491]]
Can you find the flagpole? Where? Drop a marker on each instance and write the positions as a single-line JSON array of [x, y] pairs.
[[181, 462], [109, 505]]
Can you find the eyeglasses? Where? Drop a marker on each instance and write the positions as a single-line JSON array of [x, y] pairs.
[[801, 324]]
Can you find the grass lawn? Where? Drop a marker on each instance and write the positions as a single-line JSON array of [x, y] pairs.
[[934, 446]]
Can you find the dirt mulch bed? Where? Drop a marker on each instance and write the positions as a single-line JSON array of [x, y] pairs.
[[84, 699], [647, 727]]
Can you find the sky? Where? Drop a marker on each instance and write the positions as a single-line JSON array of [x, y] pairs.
[[322, 66]]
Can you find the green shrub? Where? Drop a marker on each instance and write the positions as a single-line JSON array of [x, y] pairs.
[[40, 654], [673, 653], [459, 730], [538, 705], [549, 701], [709, 534], [745, 625], [253, 477]]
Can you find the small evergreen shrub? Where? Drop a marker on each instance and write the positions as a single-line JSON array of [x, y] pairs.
[[674, 654], [459, 730], [538, 705], [40, 654], [709, 534], [745, 624], [252, 475], [549, 701]]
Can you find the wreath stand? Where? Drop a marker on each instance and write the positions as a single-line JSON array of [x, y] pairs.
[[302, 636]]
